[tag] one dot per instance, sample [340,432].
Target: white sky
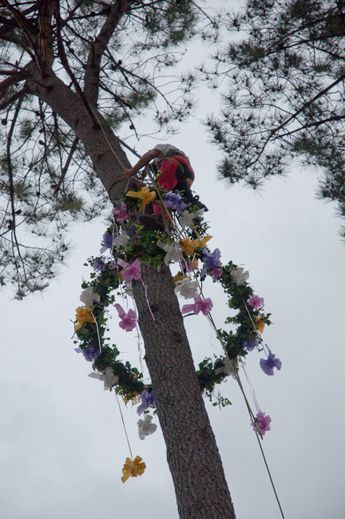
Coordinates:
[61,441]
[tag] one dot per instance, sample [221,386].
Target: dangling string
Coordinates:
[124,426]
[147,299]
[98,334]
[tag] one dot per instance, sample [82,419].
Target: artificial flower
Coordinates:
[89,297]
[186,219]
[133,468]
[121,213]
[200,305]
[256,302]
[98,265]
[267,365]
[189,246]
[229,367]
[83,314]
[107,242]
[128,319]
[216,273]
[145,196]
[179,277]
[121,240]
[145,427]
[211,261]
[259,324]
[191,265]
[261,423]
[147,400]
[90,354]
[187,288]
[239,275]
[174,201]
[130,271]
[173,251]
[251,344]
[134,398]
[107,377]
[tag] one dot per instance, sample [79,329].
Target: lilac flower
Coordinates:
[128,319]
[261,423]
[256,302]
[251,344]
[121,213]
[107,241]
[200,305]
[130,271]
[91,353]
[211,259]
[98,265]
[174,201]
[147,400]
[267,365]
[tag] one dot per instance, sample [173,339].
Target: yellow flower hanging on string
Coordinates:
[145,196]
[132,468]
[83,314]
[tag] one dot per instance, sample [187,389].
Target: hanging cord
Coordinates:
[124,426]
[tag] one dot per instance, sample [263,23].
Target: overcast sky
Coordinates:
[61,441]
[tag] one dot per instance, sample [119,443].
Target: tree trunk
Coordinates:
[193,457]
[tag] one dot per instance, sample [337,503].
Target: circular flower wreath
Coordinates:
[158,228]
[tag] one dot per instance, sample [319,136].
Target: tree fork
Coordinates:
[193,457]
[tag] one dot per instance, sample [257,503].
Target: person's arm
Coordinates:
[143,161]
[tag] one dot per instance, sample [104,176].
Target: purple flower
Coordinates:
[251,344]
[261,423]
[256,302]
[147,400]
[174,201]
[267,365]
[91,353]
[107,241]
[211,262]
[99,265]
[121,213]
[200,305]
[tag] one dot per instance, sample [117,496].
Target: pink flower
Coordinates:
[130,271]
[200,305]
[256,302]
[216,273]
[121,213]
[261,423]
[128,319]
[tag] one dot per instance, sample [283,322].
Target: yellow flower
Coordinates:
[144,194]
[132,468]
[179,277]
[134,398]
[260,324]
[83,314]
[189,246]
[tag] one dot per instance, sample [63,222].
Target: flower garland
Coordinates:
[157,228]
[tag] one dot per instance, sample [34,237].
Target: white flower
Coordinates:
[173,251]
[145,427]
[187,288]
[107,377]
[121,240]
[239,275]
[187,219]
[229,367]
[89,297]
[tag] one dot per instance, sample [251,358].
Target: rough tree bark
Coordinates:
[193,457]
